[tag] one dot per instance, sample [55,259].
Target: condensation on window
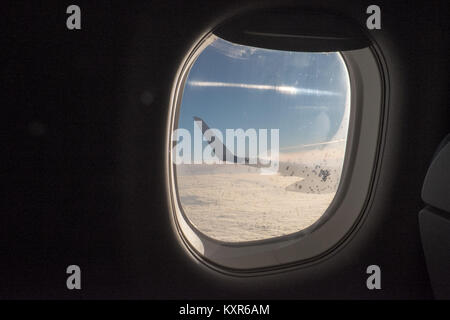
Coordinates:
[306,97]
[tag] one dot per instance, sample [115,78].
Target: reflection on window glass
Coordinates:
[279,173]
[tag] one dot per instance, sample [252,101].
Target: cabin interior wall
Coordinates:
[90,188]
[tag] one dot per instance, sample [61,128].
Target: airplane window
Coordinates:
[260,140]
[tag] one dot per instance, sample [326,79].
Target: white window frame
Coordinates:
[368,86]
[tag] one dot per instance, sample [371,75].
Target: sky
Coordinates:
[232,86]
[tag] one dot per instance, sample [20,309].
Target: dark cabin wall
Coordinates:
[84,168]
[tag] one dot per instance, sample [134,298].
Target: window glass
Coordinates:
[260,140]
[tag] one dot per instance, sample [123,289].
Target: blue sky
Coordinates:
[301,94]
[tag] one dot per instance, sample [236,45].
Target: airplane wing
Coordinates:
[315,179]
[318,178]
[224,153]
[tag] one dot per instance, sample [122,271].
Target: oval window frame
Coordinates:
[368,87]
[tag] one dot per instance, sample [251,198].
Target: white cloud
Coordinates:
[281,89]
[233,50]
[315,108]
[312,144]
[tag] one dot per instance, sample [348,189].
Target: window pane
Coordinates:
[294,103]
